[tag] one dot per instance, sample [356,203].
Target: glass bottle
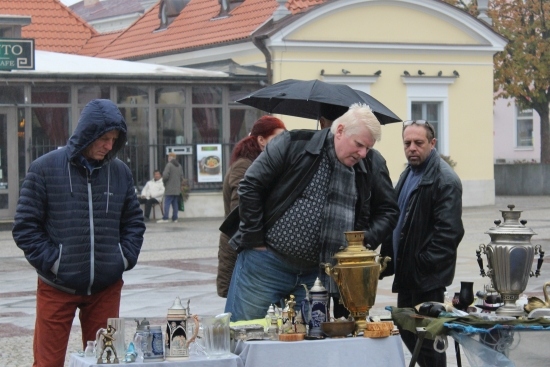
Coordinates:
[90,349]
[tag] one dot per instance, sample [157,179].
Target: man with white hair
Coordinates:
[295,203]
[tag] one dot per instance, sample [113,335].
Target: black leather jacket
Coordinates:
[432,231]
[280,174]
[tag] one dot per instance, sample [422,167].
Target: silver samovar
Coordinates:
[510,256]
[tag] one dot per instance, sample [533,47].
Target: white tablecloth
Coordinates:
[231,361]
[349,352]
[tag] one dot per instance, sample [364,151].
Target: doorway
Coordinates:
[8,162]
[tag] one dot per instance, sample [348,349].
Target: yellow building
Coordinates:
[434,62]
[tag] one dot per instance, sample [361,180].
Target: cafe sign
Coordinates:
[16,54]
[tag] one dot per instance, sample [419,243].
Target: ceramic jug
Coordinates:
[315,308]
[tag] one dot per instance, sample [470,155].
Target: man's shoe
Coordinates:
[162,221]
[145,219]
[175,221]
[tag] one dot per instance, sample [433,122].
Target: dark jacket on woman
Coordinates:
[297,155]
[82,216]
[227,256]
[432,231]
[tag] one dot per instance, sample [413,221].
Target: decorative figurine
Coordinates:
[288,330]
[289,316]
[106,345]
[131,354]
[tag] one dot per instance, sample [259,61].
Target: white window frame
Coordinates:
[428,89]
[520,118]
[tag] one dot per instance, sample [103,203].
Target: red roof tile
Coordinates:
[195,27]
[98,43]
[54,26]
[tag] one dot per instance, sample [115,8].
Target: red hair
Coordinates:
[248,147]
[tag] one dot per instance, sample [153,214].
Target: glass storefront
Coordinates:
[158,118]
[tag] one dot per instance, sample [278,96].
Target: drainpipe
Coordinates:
[258,41]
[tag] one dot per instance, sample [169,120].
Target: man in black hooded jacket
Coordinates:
[80,225]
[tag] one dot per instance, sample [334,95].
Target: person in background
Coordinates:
[295,202]
[172,176]
[152,193]
[244,153]
[429,230]
[80,225]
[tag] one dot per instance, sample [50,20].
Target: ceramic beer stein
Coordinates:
[177,340]
[315,308]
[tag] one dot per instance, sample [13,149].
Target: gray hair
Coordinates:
[359,115]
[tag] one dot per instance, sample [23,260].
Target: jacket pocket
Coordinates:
[55,267]
[125,262]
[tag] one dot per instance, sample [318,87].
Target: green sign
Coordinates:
[16,54]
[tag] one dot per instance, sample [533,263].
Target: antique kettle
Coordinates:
[510,256]
[315,308]
[356,275]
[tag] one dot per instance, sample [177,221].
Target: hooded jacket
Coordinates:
[79,223]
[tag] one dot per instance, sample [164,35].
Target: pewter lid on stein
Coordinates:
[177,309]
[512,225]
[318,286]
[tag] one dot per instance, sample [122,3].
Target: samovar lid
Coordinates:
[511,225]
[355,250]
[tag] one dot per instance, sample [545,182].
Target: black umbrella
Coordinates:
[313,98]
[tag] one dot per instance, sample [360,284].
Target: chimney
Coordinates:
[482,6]
[90,2]
[281,11]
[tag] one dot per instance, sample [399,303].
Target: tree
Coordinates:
[522,70]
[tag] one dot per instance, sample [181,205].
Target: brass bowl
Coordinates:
[338,329]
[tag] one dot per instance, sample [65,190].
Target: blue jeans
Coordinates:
[260,279]
[171,200]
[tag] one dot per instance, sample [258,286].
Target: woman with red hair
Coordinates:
[244,153]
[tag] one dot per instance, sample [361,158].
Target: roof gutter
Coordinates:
[258,41]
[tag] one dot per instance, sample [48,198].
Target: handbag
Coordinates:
[181,203]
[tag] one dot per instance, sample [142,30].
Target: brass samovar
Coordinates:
[510,256]
[356,275]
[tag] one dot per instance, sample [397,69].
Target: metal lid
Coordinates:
[177,309]
[318,286]
[512,225]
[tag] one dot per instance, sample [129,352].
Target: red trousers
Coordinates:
[55,311]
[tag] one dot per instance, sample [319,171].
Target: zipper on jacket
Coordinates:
[92,238]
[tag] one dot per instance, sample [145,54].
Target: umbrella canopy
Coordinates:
[313,98]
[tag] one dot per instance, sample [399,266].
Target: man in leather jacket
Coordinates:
[428,232]
[296,200]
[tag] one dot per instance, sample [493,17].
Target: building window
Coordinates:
[430,111]
[524,128]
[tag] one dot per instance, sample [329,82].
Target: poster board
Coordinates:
[209,162]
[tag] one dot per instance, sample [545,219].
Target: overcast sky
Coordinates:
[69,2]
